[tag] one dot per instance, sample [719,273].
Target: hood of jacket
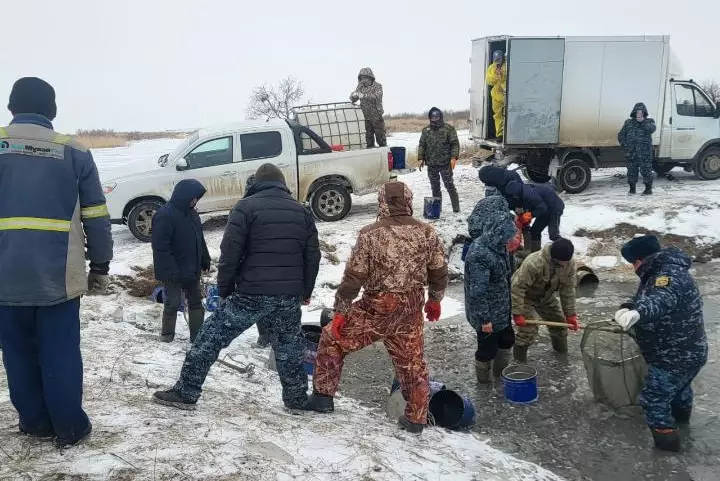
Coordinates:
[514,189]
[256,187]
[185,191]
[394,199]
[366,72]
[492,222]
[660,260]
[639,106]
[497,176]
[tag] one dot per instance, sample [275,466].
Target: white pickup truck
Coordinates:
[222,158]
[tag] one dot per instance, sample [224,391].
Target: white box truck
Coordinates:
[567,98]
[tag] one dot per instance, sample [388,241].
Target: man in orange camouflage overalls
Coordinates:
[393,260]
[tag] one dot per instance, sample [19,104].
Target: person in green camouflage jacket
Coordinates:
[370,94]
[438,150]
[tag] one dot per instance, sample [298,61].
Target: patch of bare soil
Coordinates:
[141,284]
[215,223]
[615,237]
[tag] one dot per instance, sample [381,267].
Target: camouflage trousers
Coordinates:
[280,318]
[435,172]
[375,131]
[547,311]
[664,391]
[643,166]
[395,319]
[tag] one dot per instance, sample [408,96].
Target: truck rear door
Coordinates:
[478,88]
[534,93]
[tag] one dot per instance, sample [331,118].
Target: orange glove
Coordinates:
[337,324]
[519,320]
[572,321]
[453,162]
[432,311]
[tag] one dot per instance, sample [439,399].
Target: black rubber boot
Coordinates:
[62,443]
[167,330]
[501,361]
[174,399]
[44,432]
[559,344]
[455,201]
[648,189]
[482,372]
[682,415]
[305,405]
[632,189]
[409,426]
[196,317]
[520,353]
[667,439]
[322,403]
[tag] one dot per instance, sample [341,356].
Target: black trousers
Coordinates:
[552,222]
[174,296]
[488,344]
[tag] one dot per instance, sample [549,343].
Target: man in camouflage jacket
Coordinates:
[370,94]
[393,260]
[534,286]
[666,319]
[487,284]
[438,150]
[636,138]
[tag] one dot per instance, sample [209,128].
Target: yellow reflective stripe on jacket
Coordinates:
[34,223]
[3,133]
[94,212]
[61,139]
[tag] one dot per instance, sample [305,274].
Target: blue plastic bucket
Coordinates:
[451,410]
[311,335]
[399,154]
[212,299]
[432,207]
[520,382]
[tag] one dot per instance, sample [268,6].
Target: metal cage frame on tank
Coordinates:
[348,131]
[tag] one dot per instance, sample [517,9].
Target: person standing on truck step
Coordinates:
[393,275]
[636,138]
[538,201]
[496,78]
[439,150]
[666,320]
[534,285]
[180,255]
[52,218]
[369,93]
[269,259]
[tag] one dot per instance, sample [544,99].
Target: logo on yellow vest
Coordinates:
[662,281]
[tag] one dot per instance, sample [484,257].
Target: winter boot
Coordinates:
[520,353]
[455,201]
[667,439]
[682,415]
[322,403]
[62,443]
[632,189]
[44,432]
[410,426]
[196,317]
[167,331]
[648,189]
[482,372]
[174,399]
[559,344]
[304,405]
[502,359]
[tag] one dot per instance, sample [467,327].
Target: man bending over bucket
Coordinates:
[393,260]
[666,319]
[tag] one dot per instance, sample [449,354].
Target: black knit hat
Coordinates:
[562,250]
[640,248]
[31,95]
[269,173]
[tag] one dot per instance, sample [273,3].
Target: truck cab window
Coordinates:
[690,102]
[211,153]
[260,145]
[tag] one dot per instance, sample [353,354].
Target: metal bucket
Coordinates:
[587,280]
[432,207]
[520,383]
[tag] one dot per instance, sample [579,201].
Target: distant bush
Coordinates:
[108,138]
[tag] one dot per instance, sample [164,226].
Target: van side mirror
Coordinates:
[181,164]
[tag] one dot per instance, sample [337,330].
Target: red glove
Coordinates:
[432,311]
[519,320]
[337,324]
[572,321]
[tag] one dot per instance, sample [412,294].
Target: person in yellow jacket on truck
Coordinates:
[496,78]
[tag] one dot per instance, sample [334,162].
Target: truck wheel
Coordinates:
[708,166]
[574,176]
[664,168]
[537,174]
[140,219]
[331,202]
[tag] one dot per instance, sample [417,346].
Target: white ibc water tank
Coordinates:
[337,123]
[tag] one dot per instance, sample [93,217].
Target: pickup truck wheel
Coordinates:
[708,166]
[331,202]
[574,176]
[140,219]
[664,168]
[537,173]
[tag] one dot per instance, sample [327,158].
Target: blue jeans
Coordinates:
[663,391]
[41,353]
[279,317]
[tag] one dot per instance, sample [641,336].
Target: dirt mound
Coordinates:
[616,236]
[215,223]
[142,284]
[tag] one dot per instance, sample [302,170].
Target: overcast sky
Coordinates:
[161,64]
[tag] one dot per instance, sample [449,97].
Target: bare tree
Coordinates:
[713,90]
[276,101]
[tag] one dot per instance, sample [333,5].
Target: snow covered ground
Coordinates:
[240,430]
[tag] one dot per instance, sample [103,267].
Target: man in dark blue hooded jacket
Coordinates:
[636,138]
[180,255]
[666,319]
[543,203]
